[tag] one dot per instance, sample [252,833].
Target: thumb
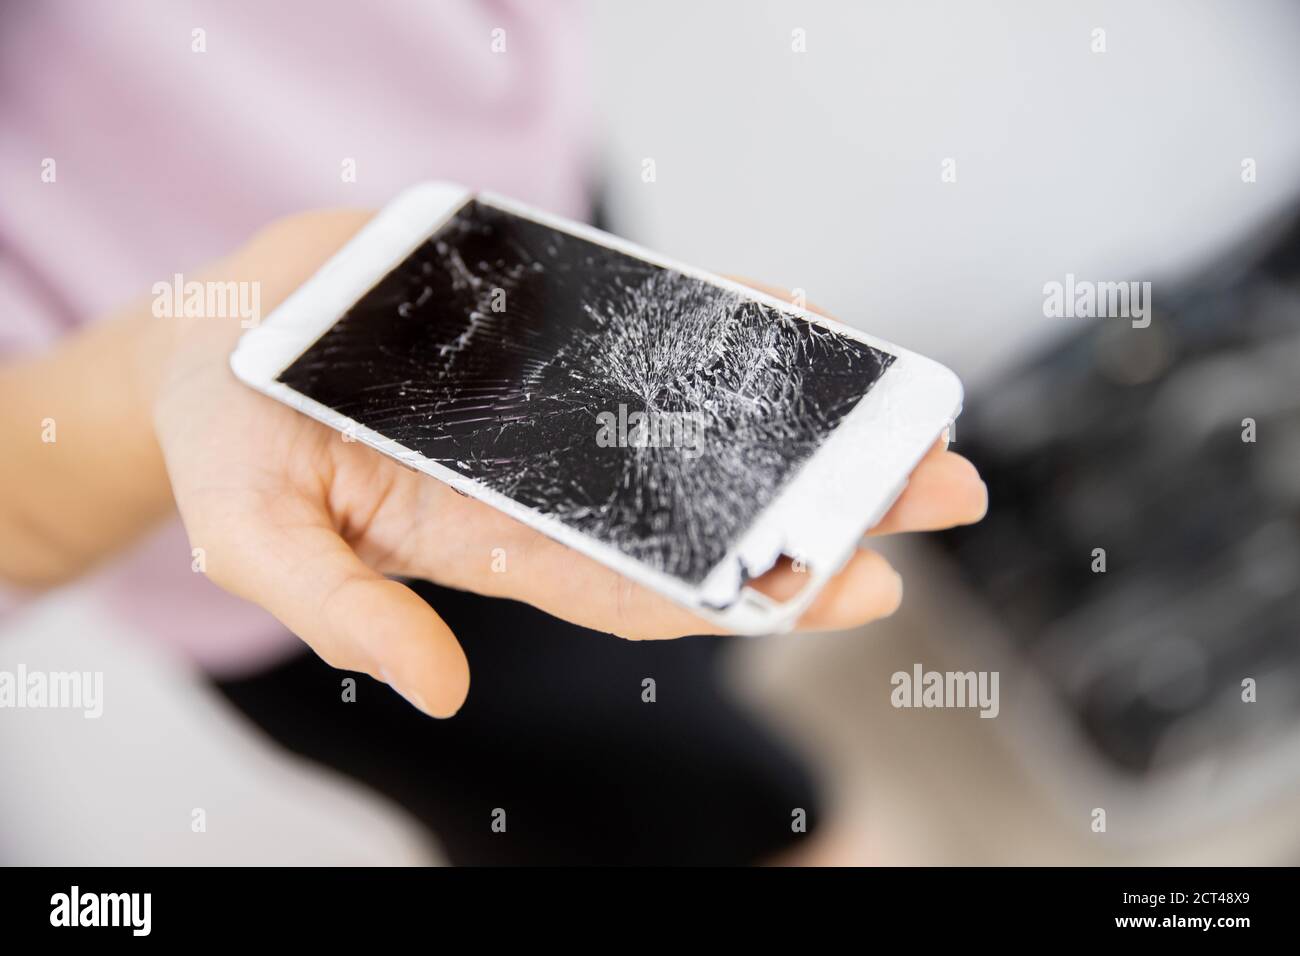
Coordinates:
[352,616]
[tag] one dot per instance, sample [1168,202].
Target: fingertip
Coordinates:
[982,504]
[867,589]
[976,492]
[416,652]
[893,598]
[443,704]
[899,590]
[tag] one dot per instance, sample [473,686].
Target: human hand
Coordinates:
[309,526]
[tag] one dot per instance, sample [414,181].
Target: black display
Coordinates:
[651,410]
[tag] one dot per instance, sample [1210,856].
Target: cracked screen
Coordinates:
[650,410]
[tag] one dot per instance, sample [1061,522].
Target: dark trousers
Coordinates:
[556,734]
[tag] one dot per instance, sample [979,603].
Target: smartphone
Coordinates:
[681,428]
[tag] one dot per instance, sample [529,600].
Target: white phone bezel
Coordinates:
[820,515]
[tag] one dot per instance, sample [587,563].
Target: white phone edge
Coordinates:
[819,517]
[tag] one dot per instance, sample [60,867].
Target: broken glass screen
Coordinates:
[653,411]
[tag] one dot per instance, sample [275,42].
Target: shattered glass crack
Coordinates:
[494,347]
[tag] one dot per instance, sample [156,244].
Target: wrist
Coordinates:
[174,342]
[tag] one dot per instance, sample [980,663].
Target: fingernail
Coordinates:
[411,697]
[898,579]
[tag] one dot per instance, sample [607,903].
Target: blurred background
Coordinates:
[823,171]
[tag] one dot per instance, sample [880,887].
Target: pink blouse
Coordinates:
[173,131]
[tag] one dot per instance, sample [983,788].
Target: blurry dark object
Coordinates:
[556,733]
[1131,440]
